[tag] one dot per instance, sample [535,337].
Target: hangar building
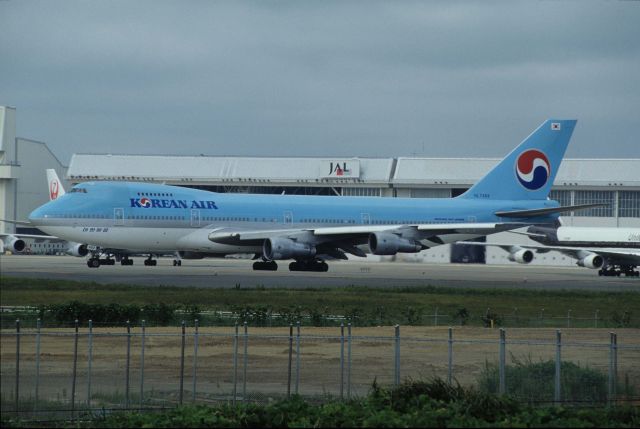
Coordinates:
[579,181]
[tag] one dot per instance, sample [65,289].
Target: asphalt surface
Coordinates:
[225,273]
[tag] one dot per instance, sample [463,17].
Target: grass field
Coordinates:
[416,305]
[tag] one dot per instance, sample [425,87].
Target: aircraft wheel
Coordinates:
[265,266]
[93,263]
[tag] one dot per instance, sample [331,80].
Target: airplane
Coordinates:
[611,251]
[155,218]
[16,242]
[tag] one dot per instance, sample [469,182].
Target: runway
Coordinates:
[225,273]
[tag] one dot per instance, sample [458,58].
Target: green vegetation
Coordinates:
[413,404]
[534,381]
[362,306]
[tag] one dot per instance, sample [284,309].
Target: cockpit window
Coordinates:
[81,190]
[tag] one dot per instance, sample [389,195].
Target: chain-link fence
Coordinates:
[62,371]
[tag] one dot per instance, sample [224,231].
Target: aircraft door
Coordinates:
[288,218]
[195,218]
[366,218]
[118,216]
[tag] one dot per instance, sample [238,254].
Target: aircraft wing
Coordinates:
[354,235]
[614,256]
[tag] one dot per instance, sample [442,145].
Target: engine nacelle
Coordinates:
[592,261]
[78,249]
[386,243]
[285,248]
[14,244]
[522,256]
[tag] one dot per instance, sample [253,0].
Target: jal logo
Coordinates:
[533,169]
[54,190]
[338,169]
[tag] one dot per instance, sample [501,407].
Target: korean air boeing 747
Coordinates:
[119,218]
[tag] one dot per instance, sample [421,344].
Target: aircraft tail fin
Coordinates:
[55,185]
[528,171]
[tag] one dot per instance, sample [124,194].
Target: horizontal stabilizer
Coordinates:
[546,211]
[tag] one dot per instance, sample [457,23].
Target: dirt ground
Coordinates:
[423,354]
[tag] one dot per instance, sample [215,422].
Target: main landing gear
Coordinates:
[265,266]
[177,262]
[95,261]
[150,262]
[316,265]
[614,270]
[125,261]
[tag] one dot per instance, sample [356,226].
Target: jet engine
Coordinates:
[77,249]
[593,261]
[14,244]
[285,248]
[386,243]
[522,256]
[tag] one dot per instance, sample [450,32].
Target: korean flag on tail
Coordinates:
[555,126]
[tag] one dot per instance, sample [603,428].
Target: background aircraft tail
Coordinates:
[528,171]
[55,185]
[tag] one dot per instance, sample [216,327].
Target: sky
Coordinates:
[321,78]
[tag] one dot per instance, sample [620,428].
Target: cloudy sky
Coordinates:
[320,78]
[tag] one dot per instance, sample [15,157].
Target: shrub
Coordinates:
[535,381]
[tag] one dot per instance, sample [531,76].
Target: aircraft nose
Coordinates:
[38,214]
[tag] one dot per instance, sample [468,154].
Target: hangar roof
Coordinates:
[208,169]
[466,171]
[407,172]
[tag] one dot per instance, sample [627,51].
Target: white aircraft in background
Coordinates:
[612,251]
[16,242]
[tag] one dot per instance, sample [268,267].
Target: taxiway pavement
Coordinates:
[225,273]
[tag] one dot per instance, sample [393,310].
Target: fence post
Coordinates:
[450,343]
[349,360]
[245,362]
[503,341]
[289,363]
[89,362]
[127,367]
[182,362]
[235,364]
[569,318]
[615,366]
[541,316]
[610,389]
[297,356]
[195,359]
[142,364]
[341,360]
[556,395]
[396,378]
[75,368]
[17,364]
[38,327]
[596,318]
[435,318]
